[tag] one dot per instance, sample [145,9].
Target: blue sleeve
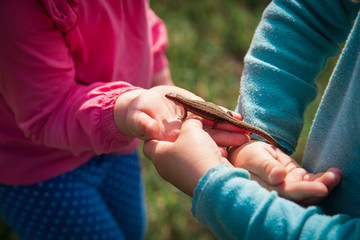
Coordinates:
[289,50]
[234,207]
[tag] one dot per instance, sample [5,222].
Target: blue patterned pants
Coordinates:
[103,199]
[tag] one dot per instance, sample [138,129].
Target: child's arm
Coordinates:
[48,99]
[235,208]
[290,48]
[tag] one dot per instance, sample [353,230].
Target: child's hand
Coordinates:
[194,152]
[147,114]
[275,170]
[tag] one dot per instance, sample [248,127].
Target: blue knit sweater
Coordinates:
[289,50]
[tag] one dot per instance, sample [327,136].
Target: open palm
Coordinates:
[275,170]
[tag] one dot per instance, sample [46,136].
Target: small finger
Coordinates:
[149,148]
[232,113]
[223,126]
[223,152]
[331,178]
[154,149]
[306,193]
[227,138]
[143,126]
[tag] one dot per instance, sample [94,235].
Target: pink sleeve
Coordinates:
[37,84]
[160,41]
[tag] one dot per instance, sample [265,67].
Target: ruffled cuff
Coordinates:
[107,121]
[64,13]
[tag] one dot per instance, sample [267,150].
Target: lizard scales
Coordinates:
[214,113]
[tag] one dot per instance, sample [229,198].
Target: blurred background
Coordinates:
[207,43]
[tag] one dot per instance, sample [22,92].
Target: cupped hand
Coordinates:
[275,170]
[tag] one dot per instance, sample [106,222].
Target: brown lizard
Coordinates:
[214,113]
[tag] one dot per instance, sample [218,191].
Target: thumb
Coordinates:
[157,151]
[154,149]
[143,126]
[149,148]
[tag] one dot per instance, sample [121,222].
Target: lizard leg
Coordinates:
[183,117]
[215,124]
[230,113]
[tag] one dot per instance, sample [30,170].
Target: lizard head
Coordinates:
[173,97]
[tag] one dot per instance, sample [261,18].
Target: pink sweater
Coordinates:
[63,63]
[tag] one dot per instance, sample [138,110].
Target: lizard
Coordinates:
[214,113]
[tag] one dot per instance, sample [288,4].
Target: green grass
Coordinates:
[207,43]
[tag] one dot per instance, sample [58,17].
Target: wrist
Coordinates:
[162,78]
[121,106]
[203,169]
